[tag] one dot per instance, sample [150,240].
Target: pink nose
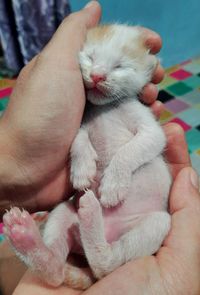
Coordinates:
[96,78]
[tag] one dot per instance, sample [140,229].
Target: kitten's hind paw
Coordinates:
[21,230]
[89,208]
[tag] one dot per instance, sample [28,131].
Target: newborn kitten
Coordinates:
[116,159]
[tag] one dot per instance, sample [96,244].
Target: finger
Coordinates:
[176,150]
[157,108]
[182,243]
[158,74]
[149,94]
[152,40]
[30,284]
[69,37]
[185,191]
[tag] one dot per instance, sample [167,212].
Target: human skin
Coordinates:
[42,173]
[44,114]
[175,268]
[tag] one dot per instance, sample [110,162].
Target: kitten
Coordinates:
[116,159]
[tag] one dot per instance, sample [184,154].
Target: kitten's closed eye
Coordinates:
[90,57]
[117,66]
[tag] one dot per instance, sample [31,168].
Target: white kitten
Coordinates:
[116,158]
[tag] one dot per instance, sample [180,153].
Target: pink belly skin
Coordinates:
[148,193]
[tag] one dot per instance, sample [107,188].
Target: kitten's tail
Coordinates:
[78,278]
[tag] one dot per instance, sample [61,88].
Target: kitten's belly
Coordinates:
[150,185]
[148,192]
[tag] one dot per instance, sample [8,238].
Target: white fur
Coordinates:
[116,157]
[125,76]
[128,142]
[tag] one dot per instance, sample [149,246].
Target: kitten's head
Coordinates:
[115,63]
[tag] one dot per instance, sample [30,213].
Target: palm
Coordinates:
[167,271]
[46,143]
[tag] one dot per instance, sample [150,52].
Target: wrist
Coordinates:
[12,176]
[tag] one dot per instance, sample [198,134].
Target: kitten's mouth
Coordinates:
[97,89]
[98,94]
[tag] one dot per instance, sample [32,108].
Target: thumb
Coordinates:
[184,236]
[185,190]
[71,34]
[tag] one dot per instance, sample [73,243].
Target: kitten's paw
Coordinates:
[83,173]
[89,208]
[112,190]
[21,230]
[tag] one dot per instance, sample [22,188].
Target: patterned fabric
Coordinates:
[179,91]
[26,26]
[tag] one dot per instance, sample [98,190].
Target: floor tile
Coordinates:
[165,116]
[192,97]
[172,69]
[167,81]
[186,62]
[190,116]
[5,92]
[193,139]
[192,67]
[176,105]
[164,96]
[3,103]
[193,81]
[179,89]
[195,159]
[180,74]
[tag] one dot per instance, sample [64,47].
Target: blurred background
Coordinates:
[27,25]
[177,21]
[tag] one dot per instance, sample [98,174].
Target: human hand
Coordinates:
[175,268]
[44,114]
[178,261]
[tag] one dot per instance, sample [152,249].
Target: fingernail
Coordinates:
[90,4]
[194,179]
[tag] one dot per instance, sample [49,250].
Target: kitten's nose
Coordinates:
[96,78]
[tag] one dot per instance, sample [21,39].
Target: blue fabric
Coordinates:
[177,21]
[26,26]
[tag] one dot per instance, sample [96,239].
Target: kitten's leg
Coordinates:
[55,235]
[144,239]
[146,145]
[46,259]
[83,161]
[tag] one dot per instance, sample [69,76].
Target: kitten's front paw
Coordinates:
[113,190]
[83,173]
